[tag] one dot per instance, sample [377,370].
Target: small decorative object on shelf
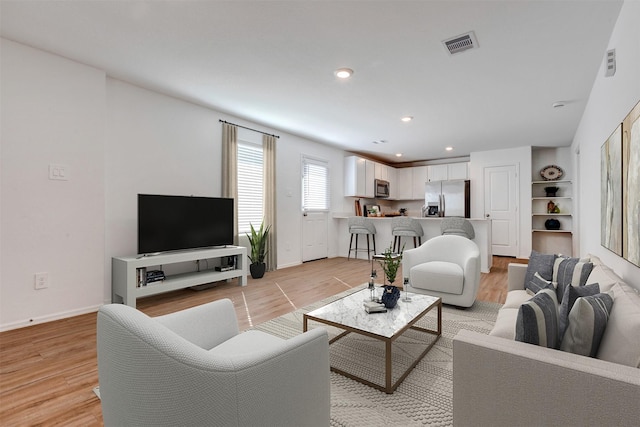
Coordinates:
[551,173]
[550,206]
[552,224]
[551,191]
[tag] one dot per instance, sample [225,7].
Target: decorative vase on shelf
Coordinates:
[551,191]
[552,224]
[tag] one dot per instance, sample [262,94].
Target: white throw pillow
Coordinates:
[621,340]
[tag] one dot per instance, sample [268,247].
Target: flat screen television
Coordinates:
[171,223]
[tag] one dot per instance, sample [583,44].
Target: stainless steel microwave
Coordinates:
[381,188]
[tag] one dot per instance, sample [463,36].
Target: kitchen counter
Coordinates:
[431,228]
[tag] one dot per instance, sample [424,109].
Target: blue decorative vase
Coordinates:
[390,296]
[552,224]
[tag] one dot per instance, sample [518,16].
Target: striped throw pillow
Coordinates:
[537,283]
[537,321]
[587,321]
[570,271]
[571,294]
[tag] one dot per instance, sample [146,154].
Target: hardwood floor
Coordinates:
[48,371]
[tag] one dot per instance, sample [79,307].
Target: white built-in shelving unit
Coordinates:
[543,239]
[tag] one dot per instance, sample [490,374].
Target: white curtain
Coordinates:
[230,170]
[269,156]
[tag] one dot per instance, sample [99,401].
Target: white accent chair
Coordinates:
[445,266]
[194,368]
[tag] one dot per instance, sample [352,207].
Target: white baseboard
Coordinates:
[49,318]
[291,264]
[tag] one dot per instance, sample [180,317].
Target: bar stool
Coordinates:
[361,225]
[403,226]
[458,226]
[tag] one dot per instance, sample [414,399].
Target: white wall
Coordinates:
[610,100]
[155,145]
[521,157]
[52,112]
[161,145]
[118,140]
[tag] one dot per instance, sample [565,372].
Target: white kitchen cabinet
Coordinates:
[392,177]
[358,177]
[437,173]
[458,171]
[404,184]
[420,177]
[383,171]
[449,171]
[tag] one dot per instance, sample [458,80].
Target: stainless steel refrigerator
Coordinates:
[447,198]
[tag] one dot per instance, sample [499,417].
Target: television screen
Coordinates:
[169,223]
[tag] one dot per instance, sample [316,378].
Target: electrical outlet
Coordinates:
[41,281]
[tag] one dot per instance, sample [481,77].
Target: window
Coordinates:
[315,185]
[250,187]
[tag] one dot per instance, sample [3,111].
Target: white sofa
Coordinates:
[194,368]
[498,381]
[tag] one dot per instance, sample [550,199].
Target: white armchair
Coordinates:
[445,266]
[194,368]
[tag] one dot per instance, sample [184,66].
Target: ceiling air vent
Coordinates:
[461,43]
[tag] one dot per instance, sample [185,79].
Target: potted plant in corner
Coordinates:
[390,264]
[258,250]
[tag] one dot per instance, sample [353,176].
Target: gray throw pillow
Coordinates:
[537,321]
[570,271]
[571,294]
[541,264]
[587,321]
[537,284]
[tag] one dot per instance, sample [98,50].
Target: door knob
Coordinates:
[487,215]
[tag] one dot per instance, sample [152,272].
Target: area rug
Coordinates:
[425,397]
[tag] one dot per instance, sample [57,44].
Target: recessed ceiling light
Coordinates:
[398,154]
[449,148]
[344,73]
[380,141]
[558,104]
[407,118]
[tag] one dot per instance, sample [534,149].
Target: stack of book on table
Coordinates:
[374,307]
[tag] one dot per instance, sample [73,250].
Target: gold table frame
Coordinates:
[389,387]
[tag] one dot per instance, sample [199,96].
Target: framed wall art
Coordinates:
[611,192]
[631,186]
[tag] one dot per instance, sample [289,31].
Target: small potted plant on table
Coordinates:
[390,263]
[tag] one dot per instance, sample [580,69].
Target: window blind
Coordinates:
[315,185]
[250,186]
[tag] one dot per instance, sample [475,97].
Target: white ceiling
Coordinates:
[272,63]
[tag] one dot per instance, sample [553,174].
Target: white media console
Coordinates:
[126,287]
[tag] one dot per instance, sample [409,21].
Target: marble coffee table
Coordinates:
[348,313]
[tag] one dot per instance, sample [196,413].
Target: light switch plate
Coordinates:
[58,172]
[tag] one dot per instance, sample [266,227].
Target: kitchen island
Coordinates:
[431,227]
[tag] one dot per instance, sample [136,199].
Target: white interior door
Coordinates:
[501,206]
[315,228]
